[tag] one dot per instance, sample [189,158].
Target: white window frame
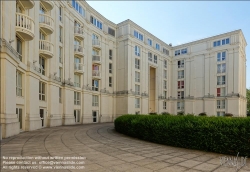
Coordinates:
[221,104]
[150,56]
[164,84]
[180,74]
[138,35]
[149,42]
[60,95]
[164,105]
[42,91]
[165,64]
[221,56]
[137,76]
[157,46]
[182,84]
[165,74]
[220,80]
[95,87]
[77,98]
[221,68]
[137,63]
[110,81]
[137,51]
[137,89]
[180,105]
[181,65]
[19,83]
[155,59]
[137,102]
[95,100]
[180,94]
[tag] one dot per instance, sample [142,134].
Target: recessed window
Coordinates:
[110,81]
[137,89]
[165,64]
[220,113]
[180,105]
[19,48]
[165,74]
[110,67]
[138,35]
[137,50]
[182,51]
[164,105]
[60,13]
[221,68]
[111,31]
[95,101]
[164,84]
[137,76]
[77,82]
[60,34]
[60,55]
[60,95]
[180,94]
[78,7]
[96,22]
[221,56]
[221,80]
[77,98]
[42,65]
[180,63]
[137,63]
[180,84]
[155,59]
[41,91]
[221,91]
[220,104]
[221,42]
[180,74]
[157,46]
[149,42]
[137,102]
[110,54]
[165,51]
[150,56]
[19,83]
[60,73]
[165,94]
[95,85]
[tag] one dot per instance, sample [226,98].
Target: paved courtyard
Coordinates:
[108,151]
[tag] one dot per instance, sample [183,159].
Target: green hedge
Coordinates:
[213,134]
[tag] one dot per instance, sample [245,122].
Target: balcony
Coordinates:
[78,68]
[78,50]
[79,32]
[96,44]
[46,23]
[27,4]
[96,59]
[96,74]
[46,48]
[25,26]
[48,4]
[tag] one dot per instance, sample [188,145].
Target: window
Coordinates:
[60,34]
[77,81]
[220,104]
[138,35]
[165,84]
[96,22]
[149,42]
[95,101]
[137,89]
[41,91]
[76,98]
[42,65]
[110,67]
[221,92]
[221,56]
[137,63]
[165,94]
[111,31]
[179,52]
[60,95]
[137,50]
[77,115]
[221,80]
[221,68]
[180,84]
[137,76]
[110,54]
[180,105]
[155,59]
[180,94]
[165,74]
[164,105]
[165,51]
[60,55]
[78,7]
[95,85]
[137,102]
[180,74]
[165,64]
[110,81]
[180,63]
[95,52]
[60,73]
[150,56]
[157,46]
[220,113]
[60,13]
[221,42]
[19,83]
[19,48]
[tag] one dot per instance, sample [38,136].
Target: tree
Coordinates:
[248,101]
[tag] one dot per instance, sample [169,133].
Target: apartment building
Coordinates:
[63,63]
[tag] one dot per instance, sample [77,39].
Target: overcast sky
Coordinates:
[180,22]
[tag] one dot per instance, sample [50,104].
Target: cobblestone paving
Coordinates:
[108,151]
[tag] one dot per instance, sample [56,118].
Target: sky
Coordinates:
[179,22]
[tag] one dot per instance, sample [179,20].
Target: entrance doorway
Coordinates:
[19,112]
[42,116]
[77,116]
[95,115]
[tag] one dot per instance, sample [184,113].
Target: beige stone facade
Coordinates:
[63,63]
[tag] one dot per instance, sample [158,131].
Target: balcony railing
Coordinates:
[46,47]
[96,58]
[47,21]
[25,25]
[76,84]
[78,30]
[78,49]
[79,66]
[96,73]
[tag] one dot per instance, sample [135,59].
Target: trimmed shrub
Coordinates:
[165,113]
[213,134]
[228,115]
[153,113]
[203,114]
[181,113]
